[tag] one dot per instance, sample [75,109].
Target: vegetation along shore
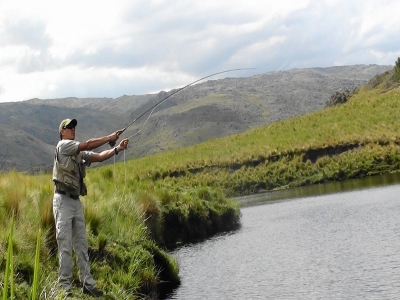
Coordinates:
[143,207]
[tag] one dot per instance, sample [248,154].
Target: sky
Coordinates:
[90,48]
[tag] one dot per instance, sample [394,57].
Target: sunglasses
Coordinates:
[69,127]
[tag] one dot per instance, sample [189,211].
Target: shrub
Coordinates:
[338,98]
[397,70]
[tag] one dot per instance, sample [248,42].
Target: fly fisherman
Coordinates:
[71,158]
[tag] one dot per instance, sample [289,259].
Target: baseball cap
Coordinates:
[66,122]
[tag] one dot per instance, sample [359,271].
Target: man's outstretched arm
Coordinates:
[106,154]
[97,142]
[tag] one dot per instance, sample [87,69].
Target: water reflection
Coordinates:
[321,189]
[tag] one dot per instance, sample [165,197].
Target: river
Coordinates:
[331,241]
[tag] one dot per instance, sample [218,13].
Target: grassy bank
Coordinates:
[129,223]
[136,209]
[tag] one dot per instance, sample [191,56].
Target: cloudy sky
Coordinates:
[92,48]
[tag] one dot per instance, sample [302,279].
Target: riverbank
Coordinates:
[332,187]
[128,230]
[356,139]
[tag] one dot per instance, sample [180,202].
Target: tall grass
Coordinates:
[9,269]
[123,264]
[35,284]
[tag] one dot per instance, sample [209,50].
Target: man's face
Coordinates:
[68,132]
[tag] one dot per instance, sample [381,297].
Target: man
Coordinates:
[71,158]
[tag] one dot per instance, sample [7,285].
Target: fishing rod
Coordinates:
[112,144]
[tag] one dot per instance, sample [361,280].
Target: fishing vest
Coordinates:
[71,173]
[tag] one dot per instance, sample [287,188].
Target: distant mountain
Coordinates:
[29,129]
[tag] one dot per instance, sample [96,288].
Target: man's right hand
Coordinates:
[115,136]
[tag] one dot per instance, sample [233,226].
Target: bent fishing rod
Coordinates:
[112,144]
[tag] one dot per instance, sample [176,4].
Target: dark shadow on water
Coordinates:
[170,292]
[321,189]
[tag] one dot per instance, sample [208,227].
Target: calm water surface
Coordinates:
[330,245]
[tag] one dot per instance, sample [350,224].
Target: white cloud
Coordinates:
[108,49]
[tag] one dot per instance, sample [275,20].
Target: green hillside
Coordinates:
[356,139]
[138,208]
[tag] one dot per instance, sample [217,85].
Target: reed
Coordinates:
[35,284]
[9,269]
[12,198]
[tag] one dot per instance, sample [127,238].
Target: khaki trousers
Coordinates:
[71,235]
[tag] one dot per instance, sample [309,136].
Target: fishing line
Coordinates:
[112,144]
[125,166]
[151,109]
[136,133]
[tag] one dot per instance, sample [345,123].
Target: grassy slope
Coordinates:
[356,139]
[180,195]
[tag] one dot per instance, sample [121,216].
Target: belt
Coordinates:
[75,197]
